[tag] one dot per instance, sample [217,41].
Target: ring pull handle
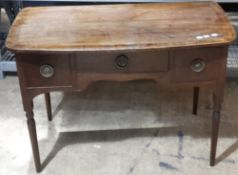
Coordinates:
[122,61]
[46,71]
[198,65]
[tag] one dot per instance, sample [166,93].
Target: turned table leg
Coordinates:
[215,128]
[33,136]
[195,99]
[48,106]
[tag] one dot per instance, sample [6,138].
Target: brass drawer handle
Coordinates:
[121,61]
[46,71]
[198,65]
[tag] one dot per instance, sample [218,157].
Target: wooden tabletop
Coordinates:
[119,27]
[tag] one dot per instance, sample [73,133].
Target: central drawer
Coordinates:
[119,62]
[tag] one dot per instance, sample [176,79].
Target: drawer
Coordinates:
[45,70]
[119,62]
[203,64]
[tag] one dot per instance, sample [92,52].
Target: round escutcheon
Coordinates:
[198,65]
[46,71]
[121,61]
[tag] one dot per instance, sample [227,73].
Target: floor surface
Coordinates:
[132,128]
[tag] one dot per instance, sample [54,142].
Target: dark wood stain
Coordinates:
[85,44]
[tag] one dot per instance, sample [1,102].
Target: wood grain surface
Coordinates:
[120,27]
[84,44]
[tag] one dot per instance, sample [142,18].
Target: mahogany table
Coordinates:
[67,48]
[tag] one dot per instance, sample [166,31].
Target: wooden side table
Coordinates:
[67,48]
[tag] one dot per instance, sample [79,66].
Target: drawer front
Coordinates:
[203,64]
[119,62]
[46,70]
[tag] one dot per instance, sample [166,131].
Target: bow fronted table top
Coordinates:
[120,27]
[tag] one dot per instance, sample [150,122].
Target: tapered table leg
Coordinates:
[33,136]
[48,106]
[215,130]
[195,99]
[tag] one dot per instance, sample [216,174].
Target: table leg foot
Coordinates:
[214,138]
[33,137]
[48,106]
[195,99]
[215,130]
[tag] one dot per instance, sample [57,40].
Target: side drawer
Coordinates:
[119,62]
[200,64]
[45,70]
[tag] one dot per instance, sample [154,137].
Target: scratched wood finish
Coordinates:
[119,27]
[159,42]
